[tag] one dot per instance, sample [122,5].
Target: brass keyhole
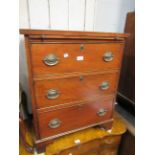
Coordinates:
[81,78]
[81,47]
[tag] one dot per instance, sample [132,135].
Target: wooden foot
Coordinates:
[40,148]
[107,126]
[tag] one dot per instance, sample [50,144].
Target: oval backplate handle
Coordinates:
[52,94]
[104,85]
[108,56]
[51,60]
[54,123]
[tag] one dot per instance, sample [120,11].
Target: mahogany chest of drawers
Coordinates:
[73,80]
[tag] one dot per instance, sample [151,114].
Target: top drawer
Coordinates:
[69,58]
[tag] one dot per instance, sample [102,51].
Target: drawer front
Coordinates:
[67,58]
[67,119]
[66,90]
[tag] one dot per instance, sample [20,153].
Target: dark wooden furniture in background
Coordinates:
[22,122]
[127,145]
[126,90]
[91,141]
[100,142]
[73,80]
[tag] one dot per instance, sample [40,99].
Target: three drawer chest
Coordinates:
[73,79]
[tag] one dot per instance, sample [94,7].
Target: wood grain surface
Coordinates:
[73,89]
[75,117]
[72,59]
[78,75]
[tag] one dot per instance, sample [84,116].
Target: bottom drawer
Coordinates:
[78,116]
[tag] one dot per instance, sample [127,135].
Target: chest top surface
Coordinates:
[72,34]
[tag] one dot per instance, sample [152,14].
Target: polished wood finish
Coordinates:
[92,57]
[94,141]
[96,147]
[71,34]
[126,91]
[42,143]
[81,69]
[87,87]
[74,117]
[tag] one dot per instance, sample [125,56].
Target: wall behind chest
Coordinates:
[83,15]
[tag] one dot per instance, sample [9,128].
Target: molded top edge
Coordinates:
[72,34]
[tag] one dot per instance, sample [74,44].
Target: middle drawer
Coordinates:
[58,91]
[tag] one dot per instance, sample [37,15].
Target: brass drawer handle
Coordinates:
[51,60]
[102,112]
[108,56]
[104,85]
[54,123]
[52,94]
